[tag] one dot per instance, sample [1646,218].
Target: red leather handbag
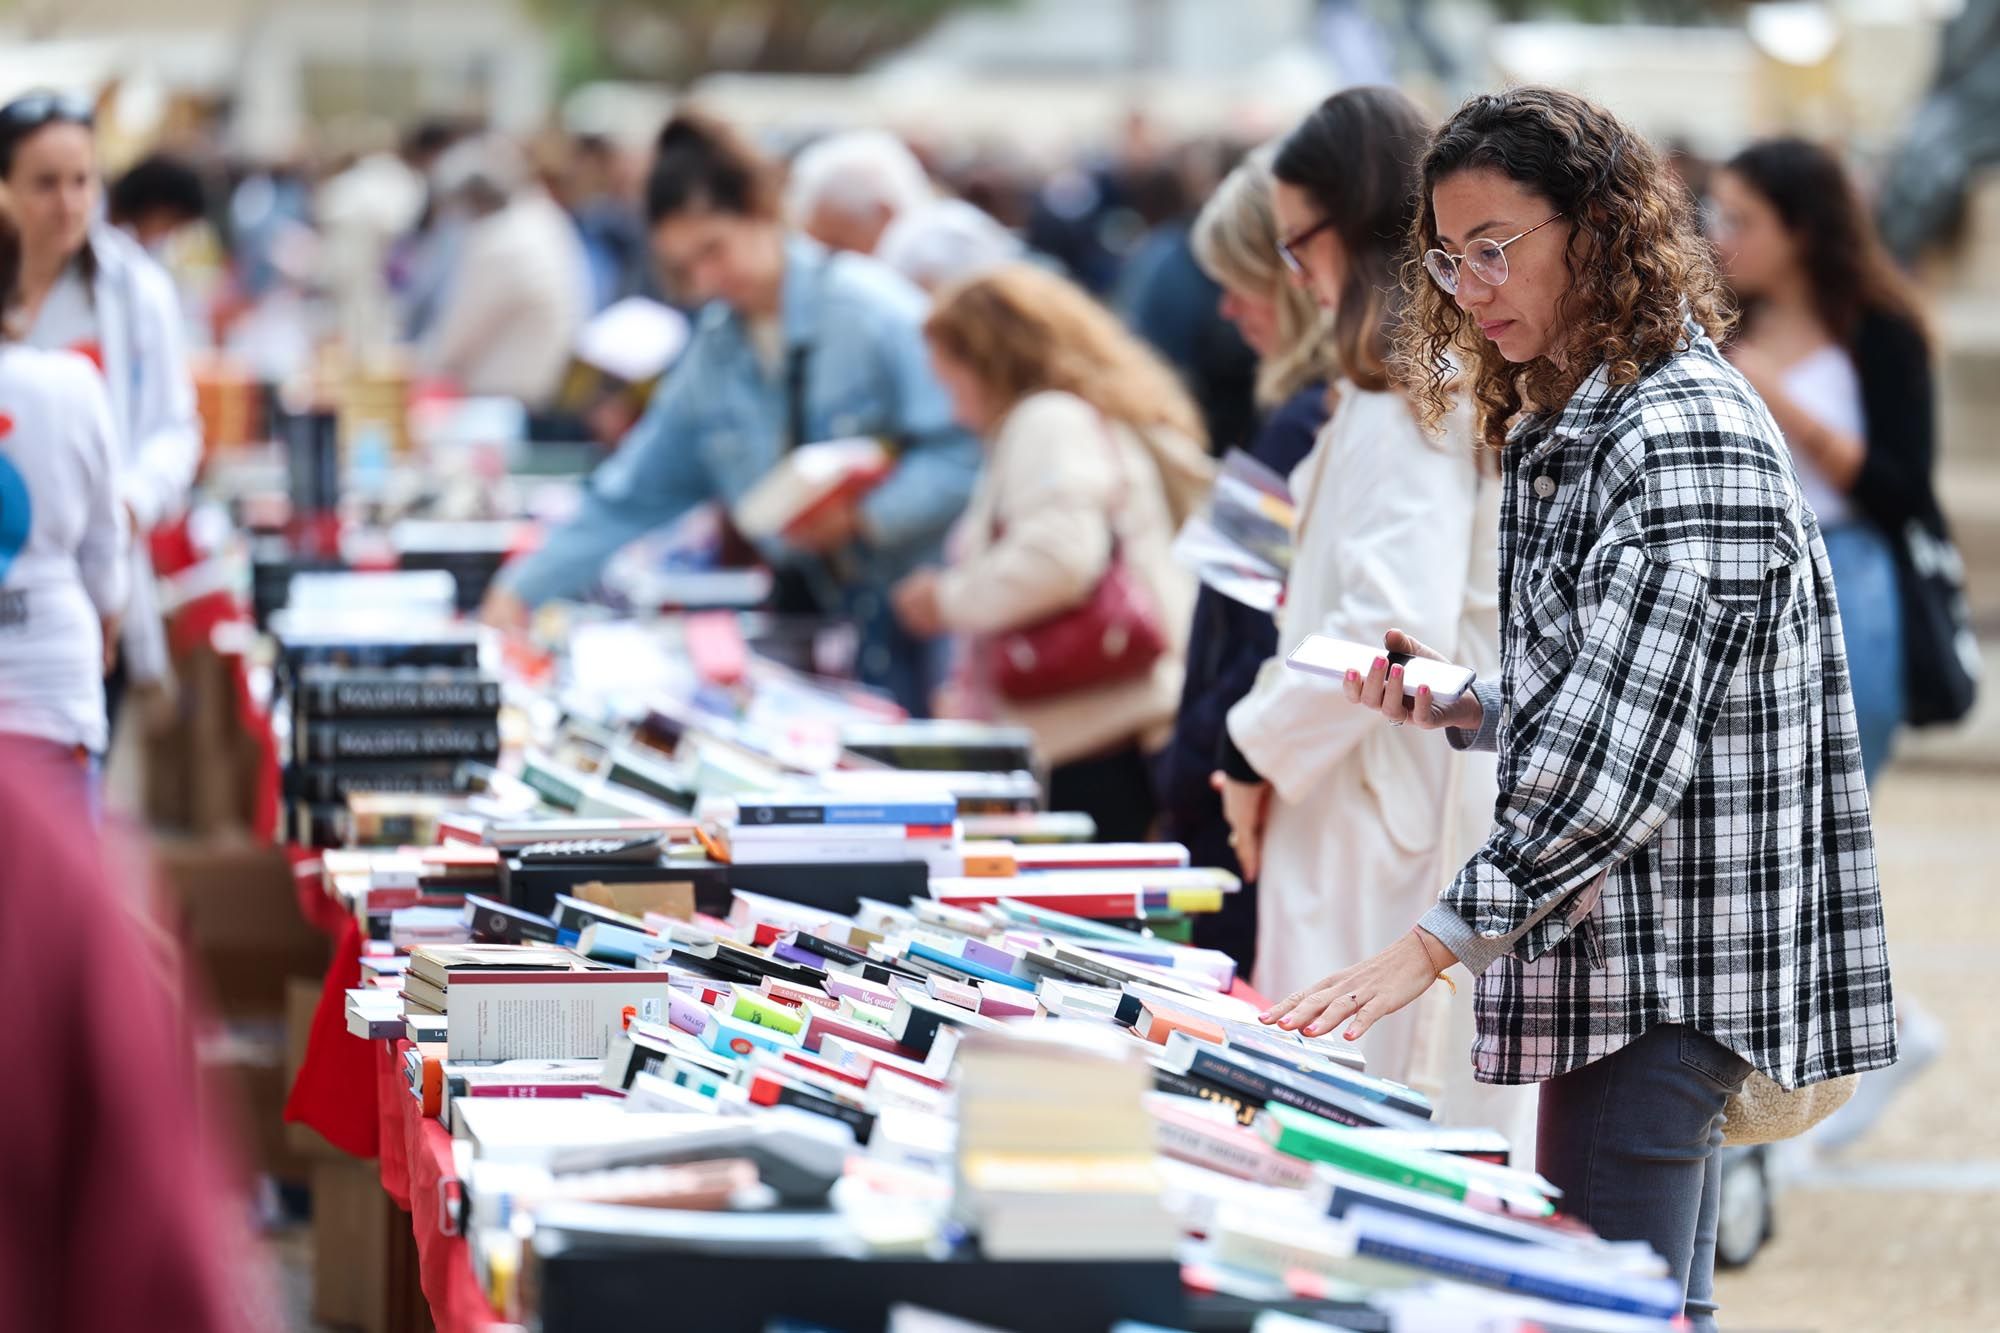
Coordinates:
[1112,636]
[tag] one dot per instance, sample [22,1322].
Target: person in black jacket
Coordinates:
[1235,239]
[1831,339]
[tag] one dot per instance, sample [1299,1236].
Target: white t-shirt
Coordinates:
[1827,388]
[62,545]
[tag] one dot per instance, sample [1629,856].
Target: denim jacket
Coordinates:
[717,425]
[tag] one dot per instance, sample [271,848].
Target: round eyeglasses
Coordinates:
[1487,260]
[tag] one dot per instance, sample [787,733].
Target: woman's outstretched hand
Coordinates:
[1367,992]
[1382,690]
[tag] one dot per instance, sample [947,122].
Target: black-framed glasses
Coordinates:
[1288,246]
[1487,260]
[31,111]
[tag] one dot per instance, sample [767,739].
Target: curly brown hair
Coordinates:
[1638,266]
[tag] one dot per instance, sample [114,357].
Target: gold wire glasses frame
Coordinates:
[1487,260]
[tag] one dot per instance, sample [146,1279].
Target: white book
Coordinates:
[501,1015]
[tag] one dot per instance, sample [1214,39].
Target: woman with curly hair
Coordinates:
[1680,883]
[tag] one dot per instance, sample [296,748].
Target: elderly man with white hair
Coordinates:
[520,289]
[847,188]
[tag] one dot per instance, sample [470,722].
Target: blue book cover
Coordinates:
[1529,1270]
[608,943]
[844,810]
[931,954]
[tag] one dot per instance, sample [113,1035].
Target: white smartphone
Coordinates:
[1323,656]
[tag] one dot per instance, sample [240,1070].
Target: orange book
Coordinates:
[990,860]
[430,1093]
[1157,1023]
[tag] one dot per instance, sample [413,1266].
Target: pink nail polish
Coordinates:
[1380,662]
[1350,1034]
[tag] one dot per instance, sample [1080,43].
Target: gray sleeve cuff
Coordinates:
[1488,735]
[1474,950]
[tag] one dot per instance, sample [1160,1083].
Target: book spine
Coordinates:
[763,813]
[864,835]
[1222,1149]
[1207,1064]
[336,740]
[493,926]
[1481,1272]
[330,699]
[335,782]
[770,1092]
[1167,1080]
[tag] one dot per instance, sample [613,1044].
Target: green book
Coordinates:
[1316,1139]
[765,1014]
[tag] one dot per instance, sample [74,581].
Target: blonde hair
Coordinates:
[1235,241]
[1024,330]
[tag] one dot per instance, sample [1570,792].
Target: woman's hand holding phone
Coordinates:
[1381,688]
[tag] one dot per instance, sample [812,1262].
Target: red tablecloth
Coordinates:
[418,1173]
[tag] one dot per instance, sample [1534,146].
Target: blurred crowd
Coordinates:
[1056,361]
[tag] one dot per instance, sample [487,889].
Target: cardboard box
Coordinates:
[233,903]
[351,1233]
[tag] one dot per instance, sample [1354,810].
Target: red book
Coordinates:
[809,481]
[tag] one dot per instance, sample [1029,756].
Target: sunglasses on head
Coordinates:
[31,111]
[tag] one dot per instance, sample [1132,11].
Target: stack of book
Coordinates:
[1055,1154]
[426,986]
[385,732]
[825,828]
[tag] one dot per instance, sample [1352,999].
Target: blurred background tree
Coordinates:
[676,40]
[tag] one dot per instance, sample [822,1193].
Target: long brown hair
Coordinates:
[1849,269]
[1638,268]
[1023,329]
[1356,156]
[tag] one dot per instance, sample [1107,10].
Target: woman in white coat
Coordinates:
[87,287]
[1396,528]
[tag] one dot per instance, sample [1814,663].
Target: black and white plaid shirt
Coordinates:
[1682,833]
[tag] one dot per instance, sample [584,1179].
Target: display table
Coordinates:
[354,1093]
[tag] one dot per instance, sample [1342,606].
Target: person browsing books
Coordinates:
[63,575]
[1235,239]
[1349,827]
[1679,884]
[86,286]
[1832,340]
[1094,457]
[792,346]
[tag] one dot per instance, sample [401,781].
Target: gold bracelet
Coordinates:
[1444,973]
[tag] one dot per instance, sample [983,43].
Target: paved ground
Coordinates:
[1903,1231]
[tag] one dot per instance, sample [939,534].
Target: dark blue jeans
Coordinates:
[1634,1142]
